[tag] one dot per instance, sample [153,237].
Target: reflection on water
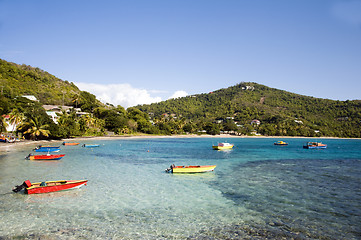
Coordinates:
[257,191]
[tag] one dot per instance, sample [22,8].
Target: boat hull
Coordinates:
[47,157]
[193,169]
[70,144]
[47,150]
[55,186]
[222,148]
[315,145]
[91,146]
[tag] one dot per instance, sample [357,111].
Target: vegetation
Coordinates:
[280,113]
[244,109]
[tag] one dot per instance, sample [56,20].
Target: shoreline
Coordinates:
[6,147]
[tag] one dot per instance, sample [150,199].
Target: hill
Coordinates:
[279,112]
[17,80]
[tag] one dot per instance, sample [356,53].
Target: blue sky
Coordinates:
[141,51]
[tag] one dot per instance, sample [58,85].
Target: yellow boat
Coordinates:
[190,169]
[282,143]
[223,146]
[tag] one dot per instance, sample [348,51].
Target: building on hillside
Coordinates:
[248,88]
[31,97]
[256,122]
[55,111]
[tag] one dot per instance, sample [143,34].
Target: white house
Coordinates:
[31,97]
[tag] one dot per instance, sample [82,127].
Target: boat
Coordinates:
[223,146]
[281,143]
[7,140]
[70,144]
[47,149]
[49,186]
[45,157]
[41,146]
[314,145]
[190,169]
[90,145]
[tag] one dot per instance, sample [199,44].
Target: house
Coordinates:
[256,122]
[53,115]
[31,97]
[248,88]
[54,111]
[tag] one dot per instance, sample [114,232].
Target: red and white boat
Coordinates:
[45,157]
[49,186]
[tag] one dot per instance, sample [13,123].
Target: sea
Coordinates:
[257,191]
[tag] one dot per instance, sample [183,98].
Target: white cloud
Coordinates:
[179,94]
[119,94]
[124,94]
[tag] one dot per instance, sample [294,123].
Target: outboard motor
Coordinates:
[28,157]
[25,184]
[170,169]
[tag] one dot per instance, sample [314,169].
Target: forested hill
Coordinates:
[17,80]
[279,112]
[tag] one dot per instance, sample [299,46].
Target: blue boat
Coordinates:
[46,149]
[90,145]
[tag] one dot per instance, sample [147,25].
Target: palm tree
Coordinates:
[3,124]
[89,121]
[16,117]
[35,128]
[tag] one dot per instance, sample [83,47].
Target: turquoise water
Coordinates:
[257,191]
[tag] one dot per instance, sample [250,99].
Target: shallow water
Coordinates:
[257,191]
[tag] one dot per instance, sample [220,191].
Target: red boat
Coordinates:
[45,157]
[49,186]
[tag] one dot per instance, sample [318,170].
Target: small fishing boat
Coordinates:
[223,146]
[47,149]
[281,143]
[49,186]
[90,145]
[45,157]
[41,148]
[70,143]
[314,145]
[190,169]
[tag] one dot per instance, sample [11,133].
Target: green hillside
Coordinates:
[280,112]
[231,110]
[33,121]
[17,80]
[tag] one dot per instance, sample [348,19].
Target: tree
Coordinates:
[16,117]
[3,124]
[35,128]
